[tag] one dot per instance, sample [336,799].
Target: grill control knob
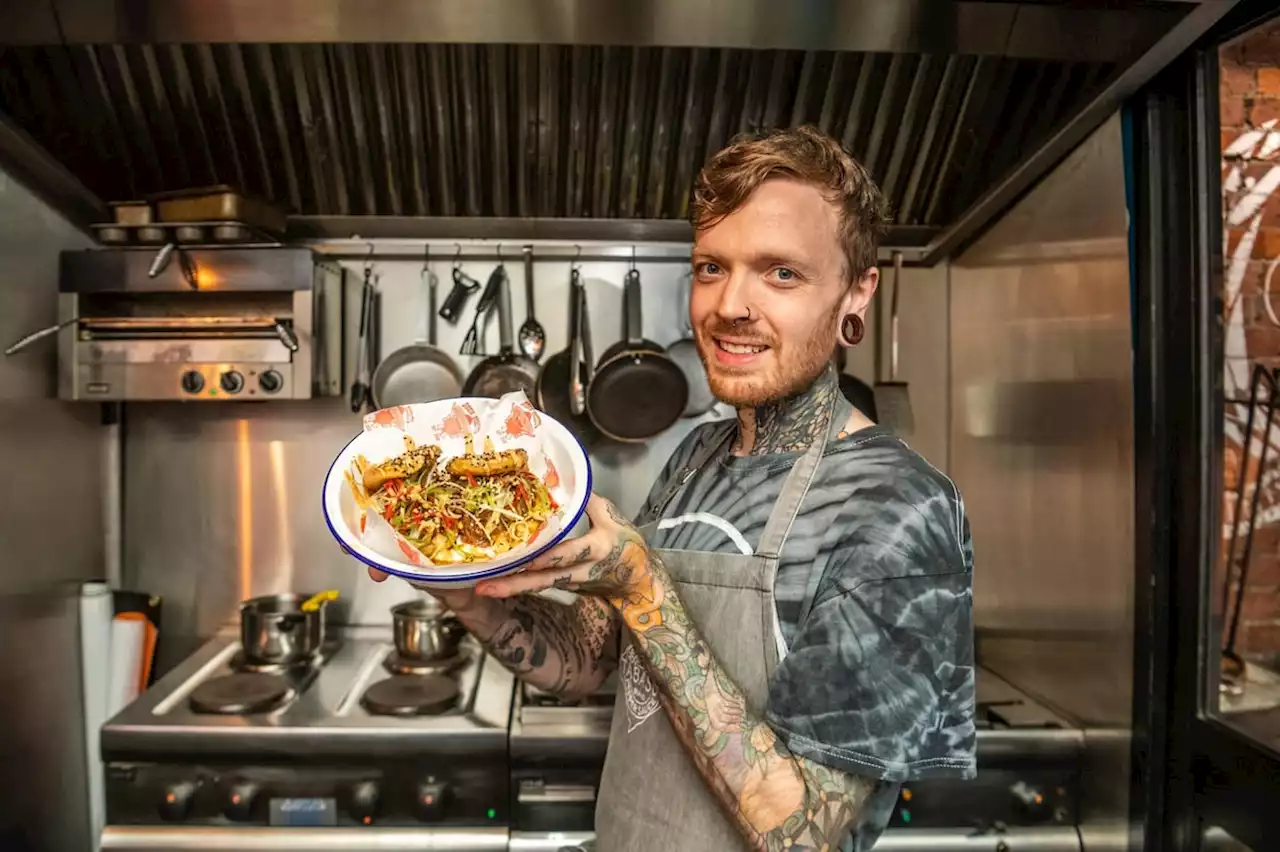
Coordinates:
[241,797]
[231,382]
[177,801]
[192,382]
[430,800]
[365,797]
[270,381]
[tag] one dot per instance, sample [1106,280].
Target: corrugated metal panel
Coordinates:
[519,130]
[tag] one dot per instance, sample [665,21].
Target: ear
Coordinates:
[858,296]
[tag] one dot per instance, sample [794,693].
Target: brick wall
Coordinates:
[1250,118]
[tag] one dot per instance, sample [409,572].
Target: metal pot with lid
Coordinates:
[283,629]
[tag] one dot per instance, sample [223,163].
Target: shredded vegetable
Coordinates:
[455,518]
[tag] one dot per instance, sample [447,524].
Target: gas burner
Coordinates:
[411,695]
[241,693]
[399,664]
[242,663]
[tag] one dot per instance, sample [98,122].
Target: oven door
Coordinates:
[147,838]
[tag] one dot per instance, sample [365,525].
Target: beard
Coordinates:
[785,369]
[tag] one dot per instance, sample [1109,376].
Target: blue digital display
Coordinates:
[304,812]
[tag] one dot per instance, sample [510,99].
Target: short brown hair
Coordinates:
[806,154]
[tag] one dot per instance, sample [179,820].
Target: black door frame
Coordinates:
[1191,771]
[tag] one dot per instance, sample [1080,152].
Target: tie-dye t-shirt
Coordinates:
[879,679]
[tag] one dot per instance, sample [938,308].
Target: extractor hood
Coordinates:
[404,118]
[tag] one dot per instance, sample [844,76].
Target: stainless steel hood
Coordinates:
[383,117]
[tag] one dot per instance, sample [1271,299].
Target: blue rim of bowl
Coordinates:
[466,578]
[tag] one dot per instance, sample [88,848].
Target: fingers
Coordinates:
[600,510]
[570,552]
[375,575]
[530,581]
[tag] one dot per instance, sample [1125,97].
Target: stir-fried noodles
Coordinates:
[470,509]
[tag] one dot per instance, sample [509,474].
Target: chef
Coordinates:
[791,613]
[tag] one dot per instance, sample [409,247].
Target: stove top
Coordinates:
[356,700]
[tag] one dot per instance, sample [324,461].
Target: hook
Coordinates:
[577,257]
[426,257]
[457,255]
[633,258]
[500,262]
[368,258]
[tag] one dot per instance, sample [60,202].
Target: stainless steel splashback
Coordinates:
[222,503]
[1042,448]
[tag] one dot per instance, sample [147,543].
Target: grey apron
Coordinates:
[651,796]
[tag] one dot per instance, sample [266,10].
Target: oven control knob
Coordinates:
[430,800]
[192,381]
[270,381]
[1029,801]
[363,806]
[231,382]
[241,797]
[177,801]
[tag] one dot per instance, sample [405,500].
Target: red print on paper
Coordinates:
[522,421]
[462,421]
[411,553]
[394,417]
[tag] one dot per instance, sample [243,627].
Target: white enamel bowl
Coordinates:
[343,515]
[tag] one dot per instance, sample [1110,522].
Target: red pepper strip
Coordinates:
[471,480]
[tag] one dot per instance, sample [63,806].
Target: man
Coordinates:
[791,615]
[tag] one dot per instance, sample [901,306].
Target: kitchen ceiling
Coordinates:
[530,118]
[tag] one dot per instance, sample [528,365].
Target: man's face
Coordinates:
[779,258]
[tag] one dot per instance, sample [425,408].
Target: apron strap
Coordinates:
[793,493]
[706,453]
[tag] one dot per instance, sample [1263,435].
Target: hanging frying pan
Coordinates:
[564,378]
[855,390]
[637,391]
[507,371]
[685,353]
[420,372]
[893,401]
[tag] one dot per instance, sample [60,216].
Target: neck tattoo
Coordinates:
[789,425]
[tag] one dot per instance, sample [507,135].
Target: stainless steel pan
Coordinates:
[420,372]
[425,632]
[507,371]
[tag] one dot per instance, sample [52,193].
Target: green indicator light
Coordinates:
[491,813]
[906,816]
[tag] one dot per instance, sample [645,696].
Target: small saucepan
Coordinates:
[637,391]
[425,632]
[283,629]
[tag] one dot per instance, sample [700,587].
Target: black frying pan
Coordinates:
[562,390]
[637,391]
[507,371]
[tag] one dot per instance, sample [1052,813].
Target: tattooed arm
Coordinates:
[778,800]
[565,650]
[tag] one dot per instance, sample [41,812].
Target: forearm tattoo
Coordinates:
[779,800]
[565,650]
